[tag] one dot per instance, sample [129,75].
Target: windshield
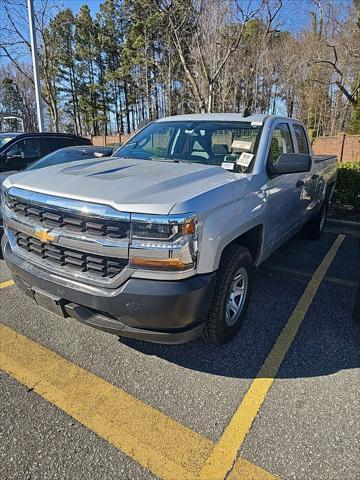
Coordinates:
[231,145]
[5,138]
[63,156]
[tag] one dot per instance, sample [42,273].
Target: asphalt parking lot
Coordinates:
[280,401]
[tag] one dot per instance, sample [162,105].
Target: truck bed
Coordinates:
[323,158]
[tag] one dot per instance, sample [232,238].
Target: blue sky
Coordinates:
[76,4]
[294,15]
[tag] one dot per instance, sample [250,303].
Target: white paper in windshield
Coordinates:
[227,165]
[245,159]
[241,144]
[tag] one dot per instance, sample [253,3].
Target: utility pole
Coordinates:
[35,64]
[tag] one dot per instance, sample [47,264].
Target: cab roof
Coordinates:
[220,117]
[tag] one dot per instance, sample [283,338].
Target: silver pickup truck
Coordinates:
[160,242]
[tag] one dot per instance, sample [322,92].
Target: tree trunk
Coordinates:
[127,112]
[210,98]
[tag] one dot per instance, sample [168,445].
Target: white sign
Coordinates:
[227,165]
[245,159]
[256,124]
[241,144]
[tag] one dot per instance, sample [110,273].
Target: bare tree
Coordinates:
[181,56]
[17,94]
[206,34]
[15,45]
[337,50]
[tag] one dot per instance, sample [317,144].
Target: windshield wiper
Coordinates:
[164,159]
[152,159]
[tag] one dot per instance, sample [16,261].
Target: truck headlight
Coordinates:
[2,192]
[2,197]
[163,243]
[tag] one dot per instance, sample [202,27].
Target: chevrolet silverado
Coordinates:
[160,242]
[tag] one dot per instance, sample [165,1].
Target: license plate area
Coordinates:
[50,302]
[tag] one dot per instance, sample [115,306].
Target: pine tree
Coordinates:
[87,54]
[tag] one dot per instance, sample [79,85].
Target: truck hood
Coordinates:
[4,175]
[129,185]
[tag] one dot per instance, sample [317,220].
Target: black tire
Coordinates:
[315,227]
[217,330]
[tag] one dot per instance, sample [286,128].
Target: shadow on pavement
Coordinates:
[328,340]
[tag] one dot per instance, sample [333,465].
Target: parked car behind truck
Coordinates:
[63,155]
[161,243]
[18,150]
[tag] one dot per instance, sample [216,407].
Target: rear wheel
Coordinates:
[315,227]
[231,296]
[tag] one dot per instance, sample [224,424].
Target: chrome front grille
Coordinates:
[52,217]
[69,236]
[73,259]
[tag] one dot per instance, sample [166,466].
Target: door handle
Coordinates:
[300,183]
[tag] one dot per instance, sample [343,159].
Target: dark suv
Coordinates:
[18,150]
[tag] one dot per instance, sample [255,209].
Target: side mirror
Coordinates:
[290,163]
[13,155]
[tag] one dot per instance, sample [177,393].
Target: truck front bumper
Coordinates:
[152,310]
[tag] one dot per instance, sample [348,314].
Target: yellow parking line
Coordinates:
[244,470]
[161,444]
[157,442]
[223,456]
[7,283]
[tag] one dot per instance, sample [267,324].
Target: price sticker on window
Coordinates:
[241,145]
[228,165]
[245,159]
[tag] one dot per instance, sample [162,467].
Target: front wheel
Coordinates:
[315,227]
[231,296]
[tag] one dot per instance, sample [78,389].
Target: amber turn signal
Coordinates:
[189,228]
[164,264]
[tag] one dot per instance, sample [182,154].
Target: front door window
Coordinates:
[281,142]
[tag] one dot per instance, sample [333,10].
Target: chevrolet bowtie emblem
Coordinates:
[43,235]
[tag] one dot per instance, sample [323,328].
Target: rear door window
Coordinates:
[301,139]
